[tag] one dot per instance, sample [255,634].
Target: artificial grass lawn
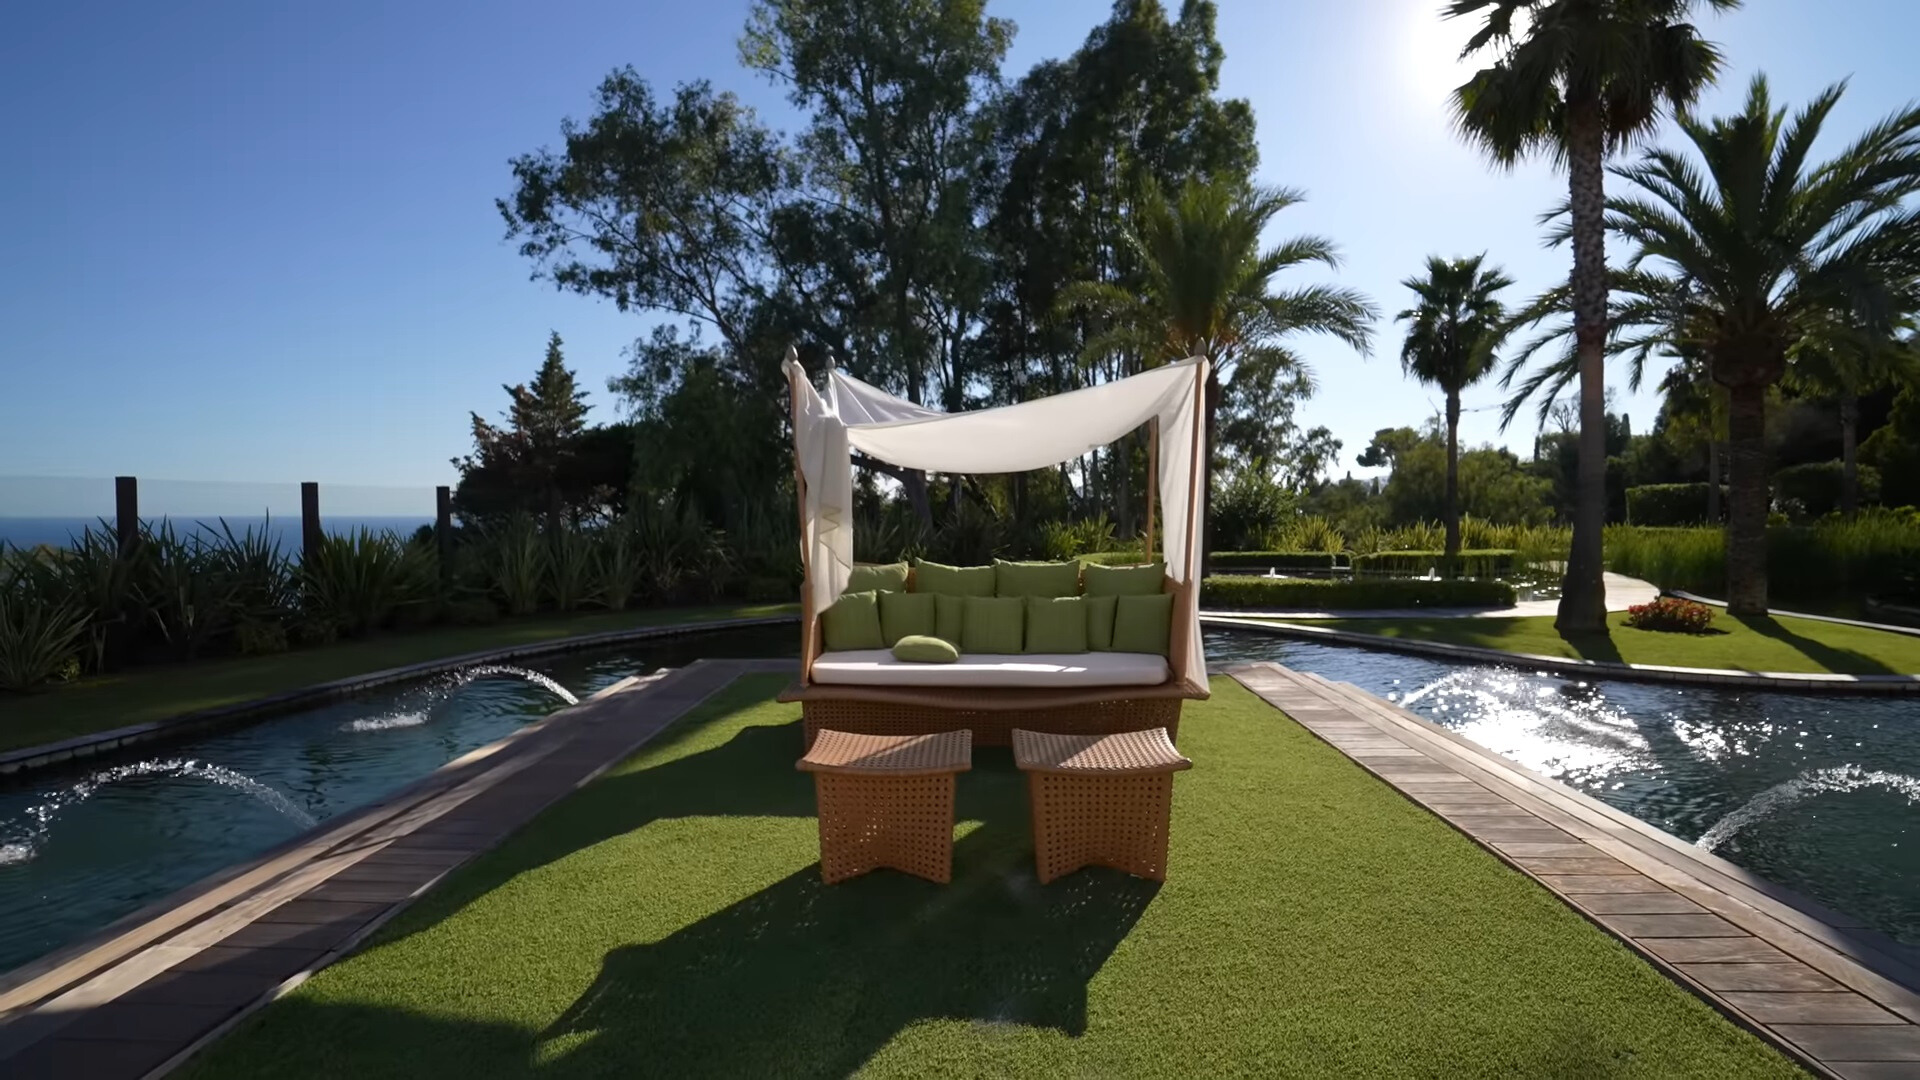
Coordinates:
[1780,643]
[669,920]
[157,692]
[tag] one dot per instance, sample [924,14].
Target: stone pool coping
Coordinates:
[143,995]
[25,759]
[1804,682]
[1835,995]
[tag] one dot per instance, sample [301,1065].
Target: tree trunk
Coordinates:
[1205,494]
[1747,492]
[1713,481]
[1849,453]
[1583,596]
[1453,481]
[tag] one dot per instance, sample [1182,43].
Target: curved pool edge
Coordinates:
[16,763]
[1721,678]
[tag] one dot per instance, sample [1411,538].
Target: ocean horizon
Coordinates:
[30,532]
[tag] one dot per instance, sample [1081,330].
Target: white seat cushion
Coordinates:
[877,667]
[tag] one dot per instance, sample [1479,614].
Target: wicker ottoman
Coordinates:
[1099,800]
[887,800]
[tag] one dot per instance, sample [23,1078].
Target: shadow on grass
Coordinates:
[799,979]
[1845,661]
[1593,646]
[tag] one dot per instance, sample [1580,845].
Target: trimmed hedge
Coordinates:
[1118,558]
[1302,595]
[1483,562]
[1665,505]
[1276,560]
[1813,490]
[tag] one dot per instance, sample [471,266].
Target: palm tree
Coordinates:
[1452,334]
[1581,79]
[1209,291]
[1840,360]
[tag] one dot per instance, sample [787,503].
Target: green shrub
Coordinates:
[516,563]
[254,638]
[1312,533]
[1291,594]
[615,565]
[1663,505]
[1813,490]
[1813,564]
[356,583]
[1066,539]
[570,565]
[40,629]
[1278,561]
[1471,563]
[1249,507]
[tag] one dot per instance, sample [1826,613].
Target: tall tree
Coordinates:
[1453,333]
[1841,360]
[1210,291]
[894,89]
[545,422]
[1578,80]
[1765,251]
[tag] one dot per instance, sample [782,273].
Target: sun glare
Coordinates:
[1430,46]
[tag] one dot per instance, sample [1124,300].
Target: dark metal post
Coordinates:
[309,521]
[443,528]
[126,511]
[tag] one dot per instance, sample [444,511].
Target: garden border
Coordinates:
[1795,682]
[15,763]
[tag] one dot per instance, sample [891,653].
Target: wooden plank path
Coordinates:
[146,993]
[1836,995]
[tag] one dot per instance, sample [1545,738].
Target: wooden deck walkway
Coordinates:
[1834,994]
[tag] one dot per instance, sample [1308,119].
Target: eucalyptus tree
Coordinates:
[1578,80]
[1453,335]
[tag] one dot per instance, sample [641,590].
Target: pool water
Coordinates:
[1820,794]
[81,848]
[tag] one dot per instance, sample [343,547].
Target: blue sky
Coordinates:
[257,243]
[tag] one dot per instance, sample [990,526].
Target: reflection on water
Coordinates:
[1817,793]
[81,848]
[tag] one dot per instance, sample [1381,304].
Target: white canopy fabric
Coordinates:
[1012,438]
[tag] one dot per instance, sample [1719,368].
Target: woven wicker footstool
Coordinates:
[887,800]
[1099,800]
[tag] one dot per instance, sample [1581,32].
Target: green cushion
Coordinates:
[934,577]
[921,649]
[905,614]
[1143,623]
[853,622]
[1056,624]
[949,617]
[877,577]
[1100,621]
[1143,580]
[994,624]
[1036,578]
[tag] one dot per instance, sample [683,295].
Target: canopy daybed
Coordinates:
[869,691]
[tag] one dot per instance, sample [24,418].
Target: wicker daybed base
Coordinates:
[990,714]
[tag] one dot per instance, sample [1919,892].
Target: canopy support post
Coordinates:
[1153,477]
[806,553]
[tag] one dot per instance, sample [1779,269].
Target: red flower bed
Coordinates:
[1672,614]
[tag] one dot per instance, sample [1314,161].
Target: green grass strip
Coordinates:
[669,920]
[144,694]
[1779,643]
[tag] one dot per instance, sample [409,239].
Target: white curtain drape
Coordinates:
[1012,438]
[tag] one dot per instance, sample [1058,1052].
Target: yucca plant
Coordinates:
[104,582]
[356,583]
[616,566]
[258,574]
[517,562]
[187,600]
[40,629]
[570,566]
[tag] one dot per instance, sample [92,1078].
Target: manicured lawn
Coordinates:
[158,692]
[1772,644]
[669,920]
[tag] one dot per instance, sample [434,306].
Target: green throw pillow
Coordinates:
[949,617]
[1100,621]
[1143,623]
[1036,578]
[876,577]
[1143,580]
[905,614]
[1056,624]
[921,649]
[853,622]
[934,577]
[994,624]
